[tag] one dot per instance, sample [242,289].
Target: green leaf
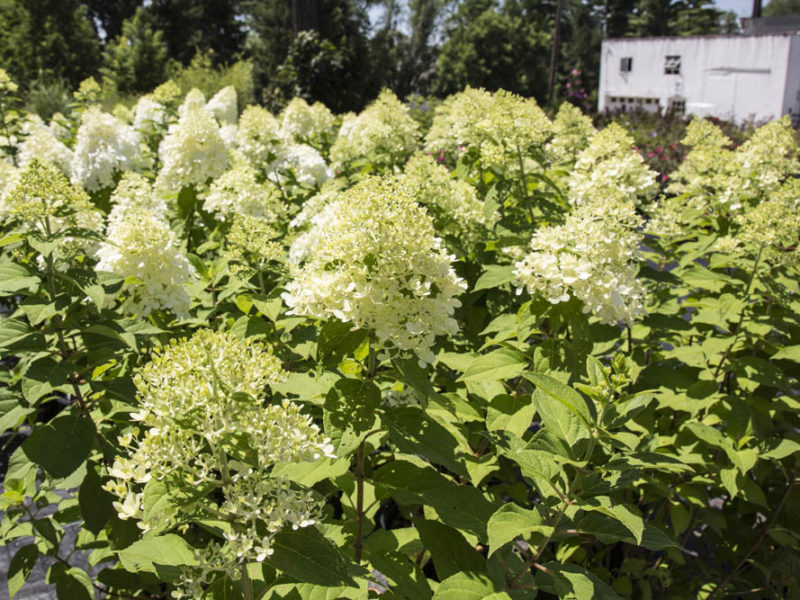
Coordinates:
[62,445]
[460,506]
[95,502]
[494,276]
[336,341]
[510,413]
[42,378]
[565,395]
[415,432]
[13,330]
[15,278]
[467,585]
[307,556]
[562,422]
[12,411]
[163,555]
[312,472]
[788,353]
[622,513]
[576,583]
[498,365]
[450,551]
[21,567]
[74,584]
[779,450]
[269,308]
[511,521]
[409,581]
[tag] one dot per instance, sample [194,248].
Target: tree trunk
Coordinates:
[304,15]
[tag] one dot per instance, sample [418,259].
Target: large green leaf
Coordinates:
[497,365]
[460,506]
[450,551]
[467,585]
[42,378]
[308,556]
[62,445]
[494,276]
[415,432]
[510,522]
[163,555]
[564,395]
[21,567]
[336,341]
[573,582]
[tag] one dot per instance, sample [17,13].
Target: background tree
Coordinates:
[777,8]
[137,60]
[192,25]
[48,39]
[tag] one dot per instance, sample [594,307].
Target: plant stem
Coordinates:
[359,542]
[741,314]
[247,585]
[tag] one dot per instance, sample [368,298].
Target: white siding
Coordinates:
[731,77]
[791,98]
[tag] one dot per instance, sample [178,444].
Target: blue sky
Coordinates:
[743,8]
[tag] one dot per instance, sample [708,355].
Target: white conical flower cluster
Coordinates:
[592,256]
[202,400]
[105,146]
[259,136]
[40,143]
[385,132]
[237,192]
[224,106]
[373,260]
[141,245]
[192,152]
[610,169]
[572,132]
[304,122]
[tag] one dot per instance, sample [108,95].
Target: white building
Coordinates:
[733,77]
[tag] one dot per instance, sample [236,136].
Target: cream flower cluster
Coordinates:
[765,160]
[203,400]
[450,200]
[40,198]
[502,126]
[610,169]
[40,143]
[314,205]
[134,192]
[592,256]
[140,244]
[252,242]
[373,260]
[224,106]
[572,132]
[192,152]
[237,191]
[104,147]
[772,227]
[149,115]
[707,175]
[384,131]
[304,123]
[305,162]
[259,136]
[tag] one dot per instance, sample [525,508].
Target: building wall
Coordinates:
[730,77]
[791,97]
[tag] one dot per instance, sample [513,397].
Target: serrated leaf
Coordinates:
[450,551]
[511,521]
[336,341]
[466,585]
[61,445]
[573,582]
[74,584]
[42,378]
[788,353]
[494,276]
[307,556]
[21,567]
[163,555]
[565,395]
[415,432]
[498,365]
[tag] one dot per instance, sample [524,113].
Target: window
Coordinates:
[678,107]
[672,65]
[626,64]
